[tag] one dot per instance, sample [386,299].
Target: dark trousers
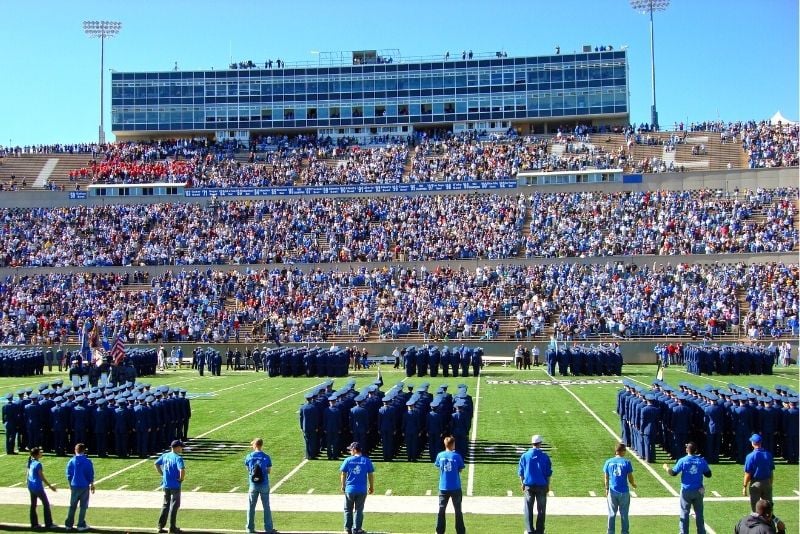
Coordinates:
[172,502]
[539,495]
[441,518]
[40,496]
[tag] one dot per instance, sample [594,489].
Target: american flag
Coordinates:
[118,350]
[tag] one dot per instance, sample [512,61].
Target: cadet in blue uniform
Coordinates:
[359,421]
[648,423]
[10,422]
[332,423]
[445,361]
[309,425]
[387,425]
[461,424]
[411,429]
[121,430]
[435,430]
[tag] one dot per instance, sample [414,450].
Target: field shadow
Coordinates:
[495,452]
[205,449]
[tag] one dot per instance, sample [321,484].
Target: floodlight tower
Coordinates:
[645,7]
[102,29]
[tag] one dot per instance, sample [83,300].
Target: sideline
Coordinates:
[288,476]
[647,466]
[473,439]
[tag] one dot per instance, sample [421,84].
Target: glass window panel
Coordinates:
[556,75]
[497,78]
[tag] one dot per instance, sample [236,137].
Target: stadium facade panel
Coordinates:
[531,94]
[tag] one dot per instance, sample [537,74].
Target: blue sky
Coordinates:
[732,59]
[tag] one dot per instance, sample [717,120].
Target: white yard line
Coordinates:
[291,473]
[233,489]
[472,439]
[647,466]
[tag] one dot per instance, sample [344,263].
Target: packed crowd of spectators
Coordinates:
[573,301]
[660,222]
[401,228]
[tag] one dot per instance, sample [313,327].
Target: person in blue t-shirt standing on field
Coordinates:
[535,470]
[36,484]
[617,474]
[259,466]
[759,466]
[173,471]
[450,465]
[355,473]
[692,468]
[80,475]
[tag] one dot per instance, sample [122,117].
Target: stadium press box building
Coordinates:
[369,93]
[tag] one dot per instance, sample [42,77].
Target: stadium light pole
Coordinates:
[102,29]
[645,7]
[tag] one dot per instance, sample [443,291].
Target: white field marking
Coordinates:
[233,489]
[498,411]
[551,494]
[521,411]
[592,494]
[471,470]
[388,492]
[427,493]
[647,466]
[703,377]
[544,411]
[15,485]
[796,492]
[289,475]
[633,494]
[197,488]
[157,489]
[122,487]
[510,493]
[220,427]
[716,494]
[566,411]
[310,491]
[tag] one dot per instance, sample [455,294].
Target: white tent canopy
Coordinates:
[780,118]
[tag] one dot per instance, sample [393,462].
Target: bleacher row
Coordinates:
[307,160]
[573,301]
[421,228]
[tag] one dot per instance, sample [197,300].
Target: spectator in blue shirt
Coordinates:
[80,475]
[450,464]
[758,469]
[617,473]
[354,474]
[535,470]
[692,468]
[173,471]
[36,484]
[259,466]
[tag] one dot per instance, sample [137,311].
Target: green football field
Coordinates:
[576,418]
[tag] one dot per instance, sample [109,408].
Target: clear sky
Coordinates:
[726,59]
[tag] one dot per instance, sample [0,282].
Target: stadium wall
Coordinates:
[727,180]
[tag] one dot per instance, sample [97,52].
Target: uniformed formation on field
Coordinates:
[127,419]
[719,420]
[277,361]
[584,360]
[431,359]
[412,421]
[32,361]
[737,359]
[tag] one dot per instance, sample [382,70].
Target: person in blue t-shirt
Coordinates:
[173,471]
[80,474]
[759,466]
[535,470]
[617,474]
[259,466]
[36,484]
[450,464]
[354,474]
[692,468]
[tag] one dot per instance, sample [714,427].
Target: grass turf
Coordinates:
[232,409]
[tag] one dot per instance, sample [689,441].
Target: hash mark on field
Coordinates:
[633,494]
[15,485]
[592,494]
[716,494]
[197,488]
[388,492]
[521,411]
[544,411]
[310,491]
[157,489]
[567,411]
[427,493]
[796,492]
[122,487]
[551,494]
[233,489]
[510,493]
